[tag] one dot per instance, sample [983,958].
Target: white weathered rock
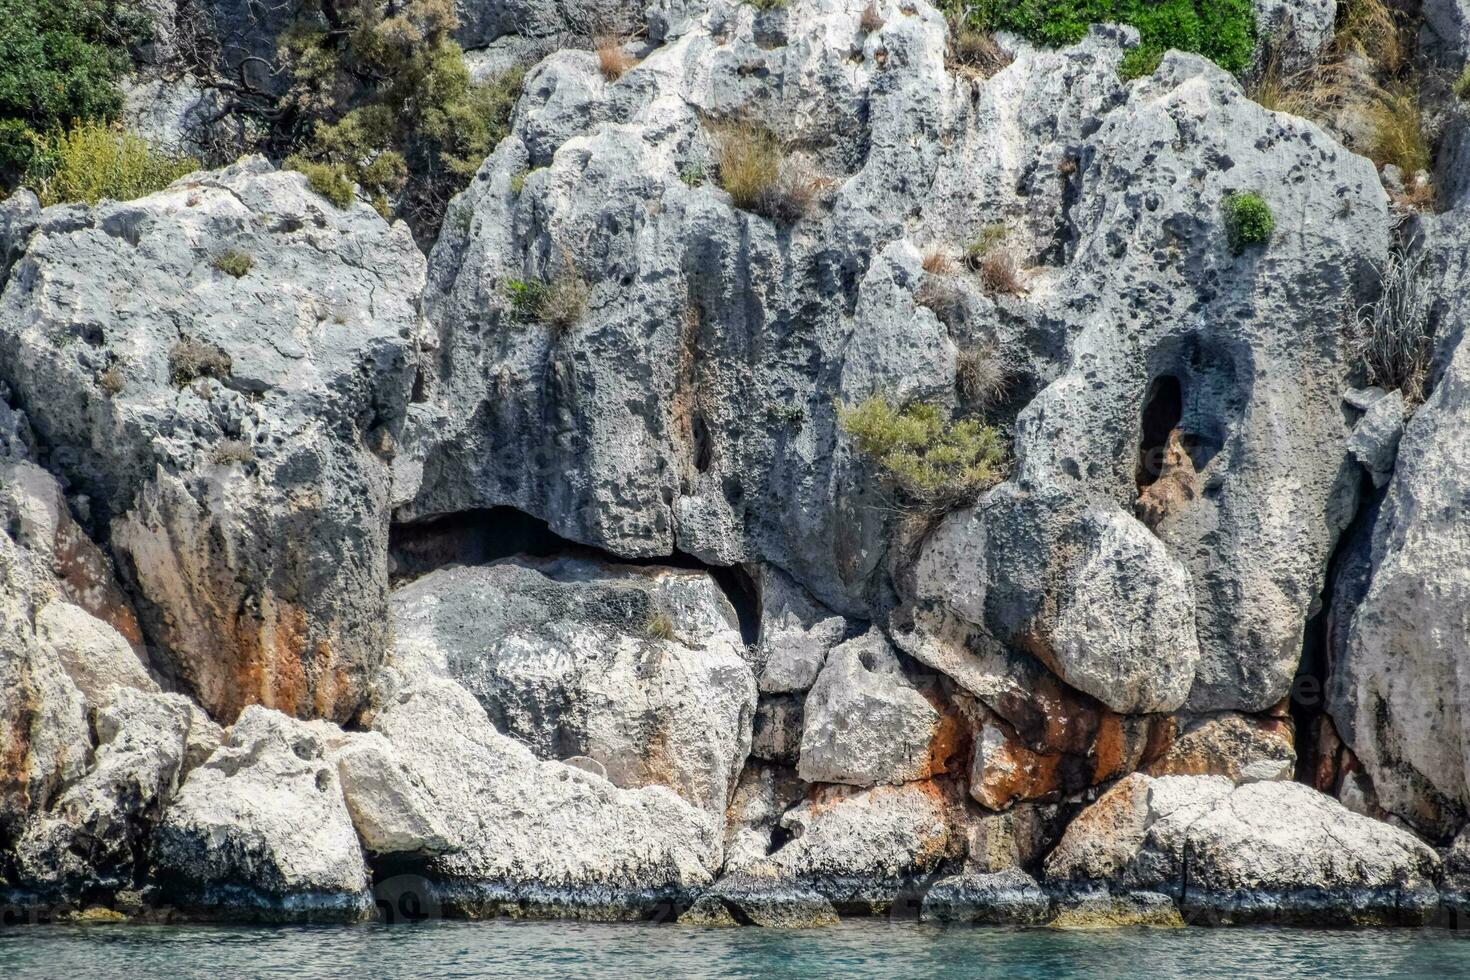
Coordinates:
[1375,439]
[94,655]
[229,428]
[95,833]
[261,829]
[539,837]
[390,808]
[571,657]
[795,635]
[864,722]
[1263,851]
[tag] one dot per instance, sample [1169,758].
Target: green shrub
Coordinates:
[989,237]
[1222,30]
[330,182]
[692,175]
[659,626]
[768,4]
[94,160]
[382,95]
[760,176]
[59,63]
[558,303]
[1462,85]
[934,461]
[235,263]
[1248,220]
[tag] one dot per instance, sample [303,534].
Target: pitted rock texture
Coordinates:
[641,670]
[1264,851]
[1397,687]
[232,431]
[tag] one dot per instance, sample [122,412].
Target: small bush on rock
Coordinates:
[612,60]
[330,182]
[1000,275]
[761,176]
[1248,220]
[989,238]
[659,626]
[1462,85]
[94,160]
[871,21]
[975,50]
[235,263]
[980,375]
[1398,131]
[559,303]
[1392,337]
[934,461]
[191,359]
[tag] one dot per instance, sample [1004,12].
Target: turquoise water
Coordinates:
[872,948]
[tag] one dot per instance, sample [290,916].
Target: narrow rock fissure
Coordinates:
[487,535]
[1161,414]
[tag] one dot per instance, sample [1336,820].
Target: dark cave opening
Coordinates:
[486,535]
[1162,411]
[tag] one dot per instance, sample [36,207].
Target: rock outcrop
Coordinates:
[230,427]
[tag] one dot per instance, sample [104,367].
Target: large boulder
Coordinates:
[1398,660]
[261,830]
[1263,851]
[639,669]
[525,836]
[865,722]
[229,414]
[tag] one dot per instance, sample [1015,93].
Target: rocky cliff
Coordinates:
[830,459]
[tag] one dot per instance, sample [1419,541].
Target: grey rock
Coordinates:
[261,829]
[540,838]
[230,475]
[1263,851]
[1446,31]
[1397,684]
[763,795]
[178,115]
[744,899]
[1003,898]
[1091,910]
[864,848]
[1375,439]
[96,832]
[562,656]
[865,722]
[391,810]
[94,655]
[1249,504]
[1018,838]
[795,634]
[1292,33]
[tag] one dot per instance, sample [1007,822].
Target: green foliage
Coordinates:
[235,263]
[768,4]
[558,303]
[934,461]
[1248,220]
[1139,62]
[659,626]
[331,182]
[384,98]
[94,160]
[59,63]
[692,175]
[989,237]
[1462,85]
[1222,30]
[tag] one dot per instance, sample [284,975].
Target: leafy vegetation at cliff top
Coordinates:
[96,160]
[59,63]
[1222,30]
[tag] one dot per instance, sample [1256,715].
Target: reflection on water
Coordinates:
[871,948]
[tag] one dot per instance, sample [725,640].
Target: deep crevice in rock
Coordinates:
[1161,414]
[487,535]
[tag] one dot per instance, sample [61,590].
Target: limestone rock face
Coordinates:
[795,635]
[1003,898]
[230,429]
[1163,336]
[1396,686]
[1263,851]
[864,722]
[542,837]
[1238,747]
[94,655]
[95,833]
[863,848]
[639,669]
[261,829]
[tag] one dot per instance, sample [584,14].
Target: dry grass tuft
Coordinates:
[612,60]
[872,20]
[1367,27]
[975,51]
[761,176]
[1391,336]
[981,375]
[1398,131]
[1000,274]
[938,262]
